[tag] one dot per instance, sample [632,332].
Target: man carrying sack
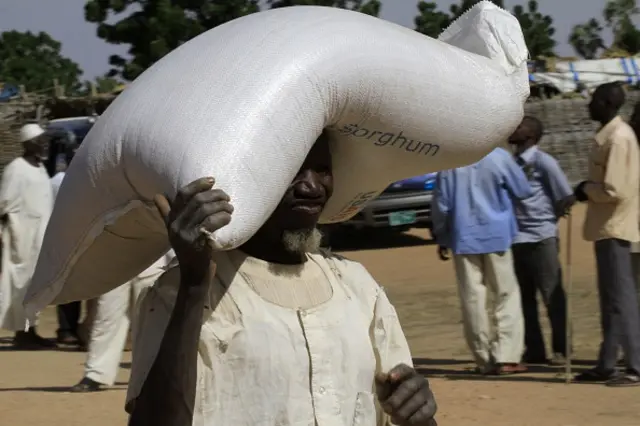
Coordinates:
[275,332]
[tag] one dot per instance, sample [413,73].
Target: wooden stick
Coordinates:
[569,285]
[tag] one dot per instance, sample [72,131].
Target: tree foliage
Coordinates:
[617,12]
[34,60]
[537,29]
[104,84]
[458,9]
[155,27]
[431,21]
[618,15]
[628,38]
[586,39]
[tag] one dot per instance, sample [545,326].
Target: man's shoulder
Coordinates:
[15,163]
[623,133]
[338,259]
[545,159]
[499,157]
[352,273]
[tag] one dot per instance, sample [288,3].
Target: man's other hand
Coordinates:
[405,395]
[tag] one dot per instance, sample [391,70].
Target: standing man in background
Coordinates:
[115,312]
[473,217]
[536,247]
[612,193]
[635,247]
[69,313]
[26,202]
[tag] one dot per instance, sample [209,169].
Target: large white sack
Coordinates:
[245,102]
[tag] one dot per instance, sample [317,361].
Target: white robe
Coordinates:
[115,312]
[262,364]
[27,199]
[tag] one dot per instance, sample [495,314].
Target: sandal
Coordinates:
[624,380]
[507,369]
[594,376]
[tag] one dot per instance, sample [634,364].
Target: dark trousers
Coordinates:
[69,317]
[619,312]
[538,269]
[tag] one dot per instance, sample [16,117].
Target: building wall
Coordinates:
[10,148]
[568,133]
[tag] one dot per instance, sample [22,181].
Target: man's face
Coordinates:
[597,106]
[307,195]
[520,136]
[37,147]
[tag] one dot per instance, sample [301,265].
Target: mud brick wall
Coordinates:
[569,131]
[10,148]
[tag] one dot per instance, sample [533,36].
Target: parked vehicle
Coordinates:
[79,126]
[403,205]
[65,133]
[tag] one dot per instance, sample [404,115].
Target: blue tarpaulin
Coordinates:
[8,91]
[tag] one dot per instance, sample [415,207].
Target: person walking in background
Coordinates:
[69,313]
[612,196]
[536,247]
[473,217]
[26,202]
[115,312]
[635,246]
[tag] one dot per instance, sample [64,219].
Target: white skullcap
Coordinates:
[29,132]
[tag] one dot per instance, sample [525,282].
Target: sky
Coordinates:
[64,21]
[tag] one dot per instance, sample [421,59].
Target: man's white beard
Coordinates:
[302,241]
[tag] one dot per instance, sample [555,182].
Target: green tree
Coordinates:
[430,21]
[586,39]
[370,7]
[458,9]
[618,12]
[34,60]
[537,29]
[106,84]
[618,15]
[628,37]
[156,27]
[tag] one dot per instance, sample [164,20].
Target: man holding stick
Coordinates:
[275,332]
[612,193]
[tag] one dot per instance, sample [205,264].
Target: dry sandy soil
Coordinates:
[33,384]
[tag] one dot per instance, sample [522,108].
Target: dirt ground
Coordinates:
[33,384]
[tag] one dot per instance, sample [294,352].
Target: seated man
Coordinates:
[273,333]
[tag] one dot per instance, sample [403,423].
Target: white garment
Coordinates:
[56,181]
[260,364]
[476,272]
[114,314]
[26,198]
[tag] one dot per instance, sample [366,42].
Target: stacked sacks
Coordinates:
[245,102]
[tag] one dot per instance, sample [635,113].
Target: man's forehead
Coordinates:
[320,147]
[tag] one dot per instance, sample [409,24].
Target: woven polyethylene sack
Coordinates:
[244,102]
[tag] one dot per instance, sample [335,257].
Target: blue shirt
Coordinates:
[536,215]
[473,210]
